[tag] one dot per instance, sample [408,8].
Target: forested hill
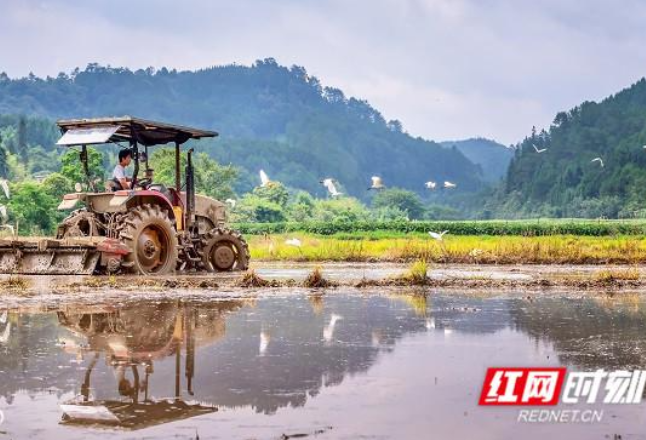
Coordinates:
[271,117]
[492,157]
[564,180]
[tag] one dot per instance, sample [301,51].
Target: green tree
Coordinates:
[341,209]
[404,200]
[252,208]
[57,185]
[4,168]
[72,168]
[32,208]
[274,192]
[301,208]
[211,178]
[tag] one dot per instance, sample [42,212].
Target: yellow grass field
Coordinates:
[557,249]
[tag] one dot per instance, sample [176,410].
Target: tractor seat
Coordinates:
[112,185]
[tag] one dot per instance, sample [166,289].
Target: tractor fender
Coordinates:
[129,199]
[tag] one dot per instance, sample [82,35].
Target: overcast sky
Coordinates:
[448,69]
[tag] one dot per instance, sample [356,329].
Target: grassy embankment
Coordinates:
[491,242]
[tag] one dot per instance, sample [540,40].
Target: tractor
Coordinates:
[150,229]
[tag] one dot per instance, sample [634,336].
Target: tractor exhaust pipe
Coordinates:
[190,190]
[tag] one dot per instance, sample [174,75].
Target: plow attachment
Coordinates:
[58,257]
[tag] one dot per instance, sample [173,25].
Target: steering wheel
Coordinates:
[144,183]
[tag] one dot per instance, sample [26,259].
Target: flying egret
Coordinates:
[5,187]
[449,185]
[331,187]
[377,183]
[293,242]
[264,179]
[598,159]
[430,185]
[231,202]
[438,237]
[539,150]
[328,331]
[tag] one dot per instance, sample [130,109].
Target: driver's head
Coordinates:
[125,156]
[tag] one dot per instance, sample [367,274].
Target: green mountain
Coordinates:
[492,157]
[565,180]
[270,117]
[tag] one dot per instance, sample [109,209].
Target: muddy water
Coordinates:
[343,365]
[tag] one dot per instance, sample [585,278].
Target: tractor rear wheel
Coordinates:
[152,239]
[224,250]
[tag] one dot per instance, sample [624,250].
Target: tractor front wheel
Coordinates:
[224,250]
[152,239]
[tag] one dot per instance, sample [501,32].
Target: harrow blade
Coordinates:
[47,257]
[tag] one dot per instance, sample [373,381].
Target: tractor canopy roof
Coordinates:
[125,129]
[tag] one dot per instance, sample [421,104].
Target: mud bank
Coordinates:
[333,276]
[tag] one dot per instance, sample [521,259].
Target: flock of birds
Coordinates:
[596,159]
[377,183]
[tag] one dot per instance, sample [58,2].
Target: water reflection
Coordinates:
[131,340]
[589,333]
[145,363]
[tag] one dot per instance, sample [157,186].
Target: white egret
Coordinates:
[438,237]
[598,159]
[377,183]
[331,187]
[5,188]
[449,185]
[264,179]
[539,150]
[293,242]
[430,185]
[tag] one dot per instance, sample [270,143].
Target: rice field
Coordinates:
[479,249]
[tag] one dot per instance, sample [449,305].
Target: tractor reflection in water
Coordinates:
[131,340]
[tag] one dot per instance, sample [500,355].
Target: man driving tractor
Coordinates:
[121,181]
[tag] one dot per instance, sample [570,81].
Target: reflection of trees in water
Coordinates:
[278,353]
[591,333]
[30,357]
[229,369]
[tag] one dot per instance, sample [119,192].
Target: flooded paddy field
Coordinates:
[346,363]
